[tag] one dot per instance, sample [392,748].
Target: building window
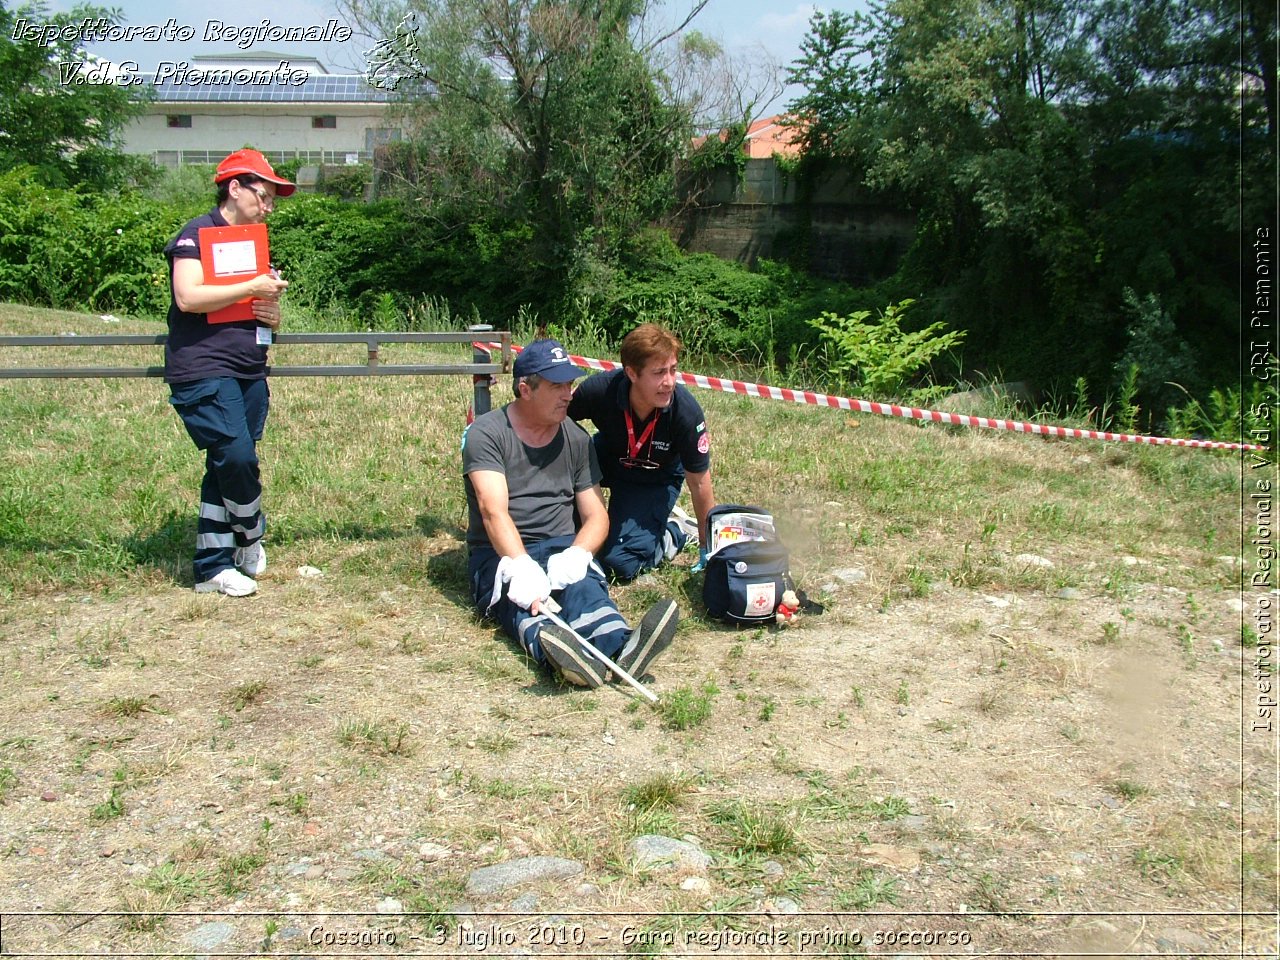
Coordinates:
[324,123]
[179,120]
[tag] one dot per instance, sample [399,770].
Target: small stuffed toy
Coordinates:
[788,609]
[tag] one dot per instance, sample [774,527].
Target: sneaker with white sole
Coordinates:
[669,549]
[686,524]
[656,631]
[568,658]
[229,581]
[251,560]
[681,531]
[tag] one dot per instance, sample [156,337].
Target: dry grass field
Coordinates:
[1018,729]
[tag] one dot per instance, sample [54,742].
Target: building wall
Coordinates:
[838,232]
[276,129]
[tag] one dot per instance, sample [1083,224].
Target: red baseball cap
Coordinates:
[251,161]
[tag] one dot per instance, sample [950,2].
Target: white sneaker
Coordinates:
[231,582]
[687,524]
[252,560]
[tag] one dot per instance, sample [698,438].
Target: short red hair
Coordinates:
[646,343]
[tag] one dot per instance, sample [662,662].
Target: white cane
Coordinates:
[549,608]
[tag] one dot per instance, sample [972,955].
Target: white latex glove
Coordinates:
[568,566]
[528,583]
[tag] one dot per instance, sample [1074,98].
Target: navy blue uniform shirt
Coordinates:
[197,349]
[679,440]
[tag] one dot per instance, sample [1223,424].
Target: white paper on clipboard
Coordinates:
[234,258]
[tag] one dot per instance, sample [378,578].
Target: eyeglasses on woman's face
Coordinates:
[267,200]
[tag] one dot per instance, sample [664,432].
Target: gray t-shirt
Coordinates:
[541,481]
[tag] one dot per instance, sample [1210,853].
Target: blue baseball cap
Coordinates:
[549,360]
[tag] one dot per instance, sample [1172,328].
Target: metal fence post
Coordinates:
[480,402]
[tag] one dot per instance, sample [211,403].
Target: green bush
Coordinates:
[880,359]
[74,249]
[717,308]
[371,262]
[189,186]
[1231,416]
[326,249]
[720,309]
[1161,356]
[346,182]
[353,255]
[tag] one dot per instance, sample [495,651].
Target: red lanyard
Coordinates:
[633,445]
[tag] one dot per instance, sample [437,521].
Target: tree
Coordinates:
[719,88]
[552,112]
[834,68]
[52,116]
[1059,153]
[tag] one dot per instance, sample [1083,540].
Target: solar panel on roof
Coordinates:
[233,85]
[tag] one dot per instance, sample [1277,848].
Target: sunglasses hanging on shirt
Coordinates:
[633,460]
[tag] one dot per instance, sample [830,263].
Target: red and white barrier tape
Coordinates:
[911,413]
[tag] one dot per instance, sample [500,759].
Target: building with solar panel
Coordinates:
[288,107]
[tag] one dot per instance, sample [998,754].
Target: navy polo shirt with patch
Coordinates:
[197,349]
[679,441]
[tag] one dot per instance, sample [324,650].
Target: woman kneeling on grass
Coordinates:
[217,376]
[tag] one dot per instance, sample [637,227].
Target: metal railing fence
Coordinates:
[482,368]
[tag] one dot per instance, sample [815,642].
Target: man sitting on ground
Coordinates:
[528,473]
[651,437]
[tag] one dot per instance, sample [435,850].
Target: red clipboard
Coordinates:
[234,255]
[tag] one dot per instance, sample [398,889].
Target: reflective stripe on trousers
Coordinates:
[585,605]
[225,418]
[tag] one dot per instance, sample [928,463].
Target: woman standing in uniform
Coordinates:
[217,376]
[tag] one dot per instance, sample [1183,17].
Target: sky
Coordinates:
[742,27]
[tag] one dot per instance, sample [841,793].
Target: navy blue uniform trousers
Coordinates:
[638,520]
[585,605]
[225,418]
[638,515]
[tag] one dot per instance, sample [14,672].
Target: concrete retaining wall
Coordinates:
[839,233]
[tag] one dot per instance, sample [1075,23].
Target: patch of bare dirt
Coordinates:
[1023,771]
